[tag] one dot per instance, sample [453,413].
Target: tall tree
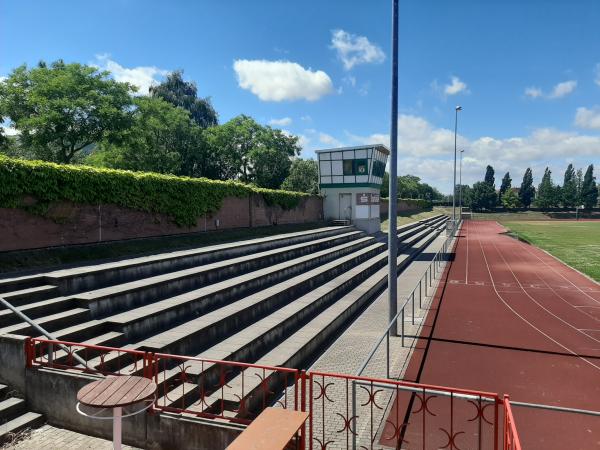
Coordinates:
[184,94]
[589,191]
[162,139]
[569,188]
[252,153]
[483,196]
[489,176]
[579,183]
[505,186]
[547,192]
[303,177]
[63,108]
[527,191]
[510,199]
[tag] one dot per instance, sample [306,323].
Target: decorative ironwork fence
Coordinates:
[345,411]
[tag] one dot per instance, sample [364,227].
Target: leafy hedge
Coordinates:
[181,198]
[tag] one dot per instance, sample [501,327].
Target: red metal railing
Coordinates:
[511,437]
[345,411]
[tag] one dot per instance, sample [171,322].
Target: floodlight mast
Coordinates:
[393,188]
[456,110]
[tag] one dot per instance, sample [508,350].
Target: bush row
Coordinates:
[183,199]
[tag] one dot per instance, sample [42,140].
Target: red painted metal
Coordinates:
[511,437]
[334,417]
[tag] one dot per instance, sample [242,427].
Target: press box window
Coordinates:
[356,167]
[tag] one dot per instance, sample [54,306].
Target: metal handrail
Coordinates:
[427,275]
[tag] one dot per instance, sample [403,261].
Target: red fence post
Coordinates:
[28,353]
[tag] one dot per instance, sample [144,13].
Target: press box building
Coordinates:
[350,181]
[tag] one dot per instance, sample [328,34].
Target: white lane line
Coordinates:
[560,274]
[529,323]
[467,262]
[533,299]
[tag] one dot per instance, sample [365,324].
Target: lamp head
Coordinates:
[458,108]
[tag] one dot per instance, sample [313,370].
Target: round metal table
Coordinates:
[116,393]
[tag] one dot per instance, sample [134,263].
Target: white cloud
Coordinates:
[142,76]
[597,80]
[588,118]
[2,79]
[455,87]
[329,140]
[8,129]
[354,50]
[283,122]
[533,92]
[563,89]
[276,81]
[306,118]
[427,151]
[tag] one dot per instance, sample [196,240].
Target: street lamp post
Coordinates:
[456,110]
[393,212]
[460,184]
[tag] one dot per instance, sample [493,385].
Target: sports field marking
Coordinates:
[550,338]
[467,258]
[555,271]
[535,301]
[535,272]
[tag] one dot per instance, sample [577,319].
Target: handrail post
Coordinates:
[413,306]
[420,294]
[402,327]
[387,359]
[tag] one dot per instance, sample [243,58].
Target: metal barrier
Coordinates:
[345,411]
[511,437]
[422,287]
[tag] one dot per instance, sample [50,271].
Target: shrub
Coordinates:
[183,199]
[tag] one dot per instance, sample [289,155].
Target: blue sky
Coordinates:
[527,73]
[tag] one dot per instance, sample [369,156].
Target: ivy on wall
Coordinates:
[181,198]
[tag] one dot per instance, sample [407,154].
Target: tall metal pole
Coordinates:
[456,110]
[460,184]
[392,231]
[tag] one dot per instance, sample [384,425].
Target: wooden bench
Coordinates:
[273,429]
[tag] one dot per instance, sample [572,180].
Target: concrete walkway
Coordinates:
[348,353]
[51,438]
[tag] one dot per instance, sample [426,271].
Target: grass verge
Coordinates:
[575,243]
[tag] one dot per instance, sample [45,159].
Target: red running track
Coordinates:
[512,319]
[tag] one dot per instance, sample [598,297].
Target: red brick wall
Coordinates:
[67,223]
[401,205]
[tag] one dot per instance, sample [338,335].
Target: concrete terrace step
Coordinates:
[50,323]
[295,305]
[235,313]
[31,294]
[24,421]
[295,350]
[94,276]
[246,344]
[38,309]
[134,293]
[11,408]
[213,325]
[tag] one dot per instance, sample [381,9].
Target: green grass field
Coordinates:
[407,217]
[575,243]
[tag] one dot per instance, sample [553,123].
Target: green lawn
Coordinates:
[575,243]
[407,217]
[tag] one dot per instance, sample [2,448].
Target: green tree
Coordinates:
[527,191]
[184,94]
[589,191]
[579,187]
[483,196]
[489,177]
[303,177]
[242,145]
[505,186]
[63,108]
[548,194]
[162,139]
[385,185]
[510,199]
[569,188]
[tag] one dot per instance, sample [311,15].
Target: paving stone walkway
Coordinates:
[347,354]
[51,438]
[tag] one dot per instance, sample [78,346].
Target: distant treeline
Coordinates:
[578,189]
